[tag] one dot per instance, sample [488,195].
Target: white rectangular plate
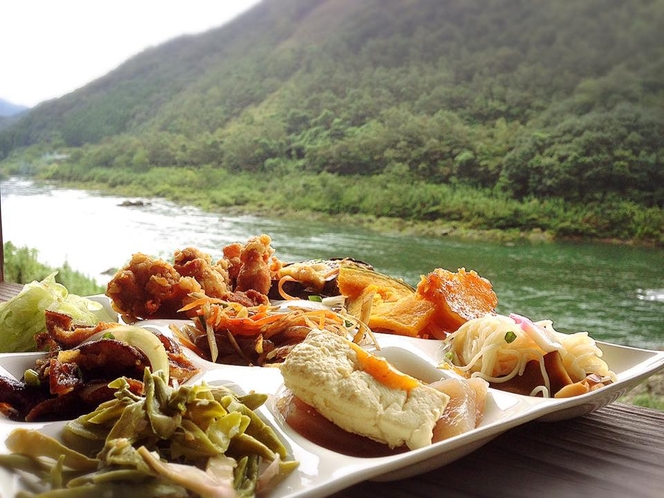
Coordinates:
[322,472]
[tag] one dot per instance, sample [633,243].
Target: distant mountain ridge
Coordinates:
[10,113]
[547,99]
[8,109]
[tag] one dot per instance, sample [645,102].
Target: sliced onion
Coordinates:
[542,337]
[143,340]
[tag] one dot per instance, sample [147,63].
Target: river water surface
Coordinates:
[614,292]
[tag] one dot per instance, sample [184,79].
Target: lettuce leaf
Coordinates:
[22,317]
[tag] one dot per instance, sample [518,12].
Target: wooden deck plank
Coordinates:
[9,290]
[615,452]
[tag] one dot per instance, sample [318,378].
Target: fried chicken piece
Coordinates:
[150,288]
[232,254]
[251,269]
[255,272]
[153,288]
[213,277]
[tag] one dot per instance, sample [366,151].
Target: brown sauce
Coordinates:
[532,376]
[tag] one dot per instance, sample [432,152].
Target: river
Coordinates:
[614,292]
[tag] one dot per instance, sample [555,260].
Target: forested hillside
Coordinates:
[528,100]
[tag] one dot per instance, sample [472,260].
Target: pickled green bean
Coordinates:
[195,440]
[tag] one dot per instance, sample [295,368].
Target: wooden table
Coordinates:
[617,451]
[9,290]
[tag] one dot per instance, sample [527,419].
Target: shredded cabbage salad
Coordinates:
[22,317]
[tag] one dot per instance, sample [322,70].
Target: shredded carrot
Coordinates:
[263,309]
[219,315]
[230,321]
[270,318]
[212,316]
[248,326]
[196,303]
[186,341]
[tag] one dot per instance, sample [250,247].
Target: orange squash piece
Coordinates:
[353,280]
[457,297]
[408,316]
[442,302]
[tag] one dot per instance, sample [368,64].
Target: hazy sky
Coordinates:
[51,47]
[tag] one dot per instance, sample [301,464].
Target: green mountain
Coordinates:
[532,98]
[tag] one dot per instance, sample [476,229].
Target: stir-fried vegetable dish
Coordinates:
[198,440]
[228,332]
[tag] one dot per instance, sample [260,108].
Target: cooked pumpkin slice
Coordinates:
[353,280]
[408,316]
[458,297]
[442,302]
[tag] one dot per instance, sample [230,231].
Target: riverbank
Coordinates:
[400,226]
[385,202]
[440,227]
[419,228]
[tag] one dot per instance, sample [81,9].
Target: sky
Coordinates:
[49,48]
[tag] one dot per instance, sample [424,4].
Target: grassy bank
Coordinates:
[23,266]
[386,202]
[650,393]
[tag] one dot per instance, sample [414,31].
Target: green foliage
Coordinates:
[587,158]
[22,266]
[649,401]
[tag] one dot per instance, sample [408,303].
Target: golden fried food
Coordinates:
[213,276]
[254,272]
[149,288]
[232,254]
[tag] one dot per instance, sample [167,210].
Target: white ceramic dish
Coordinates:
[322,472]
